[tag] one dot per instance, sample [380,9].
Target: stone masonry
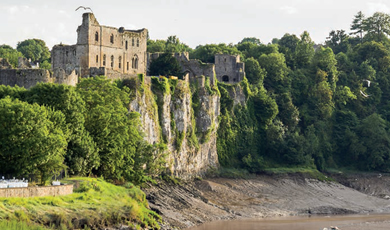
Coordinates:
[227,68]
[102,47]
[60,190]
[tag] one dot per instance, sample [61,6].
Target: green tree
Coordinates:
[34,49]
[377,26]
[275,65]
[254,73]
[32,139]
[376,142]
[82,154]
[156,46]
[357,25]
[337,41]
[173,45]
[114,130]
[9,53]
[287,46]
[304,51]
[165,65]
[253,40]
[206,53]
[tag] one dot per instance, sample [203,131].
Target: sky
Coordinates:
[194,22]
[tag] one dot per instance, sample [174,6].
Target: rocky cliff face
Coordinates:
[183,115]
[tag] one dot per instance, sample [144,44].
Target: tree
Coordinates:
[173,45]
[82,153]
[287,45]
[357,24]
[9,53]
[34,49]
[304,51]
[275,65]
[254,73]
[337,41]
[165,65]
[206,53]
[376,142]
[253,40]
[32,139]
[114,130]
[325,60]
[377,26]
[156,46]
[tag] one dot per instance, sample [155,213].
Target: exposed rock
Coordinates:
[190,135]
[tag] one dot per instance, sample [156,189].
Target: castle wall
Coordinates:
[59,190]
[120,50]
[191,68]
[28,78]
[228,68]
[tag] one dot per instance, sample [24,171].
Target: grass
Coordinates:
[94,203]
[15,225]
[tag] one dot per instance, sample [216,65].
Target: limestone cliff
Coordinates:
[183,115]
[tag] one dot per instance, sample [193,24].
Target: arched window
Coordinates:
[127,65]
[112,61]
[97,36]
[225,78]
[137,42]
[126,45]
[104,60]
[120,62]
[97,59]
[134,62]
[112,39]
[132,42]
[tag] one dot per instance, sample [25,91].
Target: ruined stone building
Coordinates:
[103,50]
[26,76]
[227,68]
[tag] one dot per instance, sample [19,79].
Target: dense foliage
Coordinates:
[316,106]
[86,130]
[32,49]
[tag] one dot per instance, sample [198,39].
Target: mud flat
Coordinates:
[193,203]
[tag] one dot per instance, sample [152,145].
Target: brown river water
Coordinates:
[350,222]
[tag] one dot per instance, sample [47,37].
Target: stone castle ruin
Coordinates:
[227,68]
[115,53]
[103,50]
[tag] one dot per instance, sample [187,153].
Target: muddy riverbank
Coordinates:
[193,203]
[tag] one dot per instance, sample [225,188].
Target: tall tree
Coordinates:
[357,25]
[377,26]
[35,49]
[32,139]
[82,154]
[337,41]
[304,50]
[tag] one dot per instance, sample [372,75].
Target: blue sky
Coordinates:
[195,22]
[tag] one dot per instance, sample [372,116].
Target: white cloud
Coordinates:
[288,9]
[377,7]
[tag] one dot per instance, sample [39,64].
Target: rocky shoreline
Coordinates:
[193,203]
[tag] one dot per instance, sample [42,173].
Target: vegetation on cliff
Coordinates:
[319,108]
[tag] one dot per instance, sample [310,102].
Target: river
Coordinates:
[350,222]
